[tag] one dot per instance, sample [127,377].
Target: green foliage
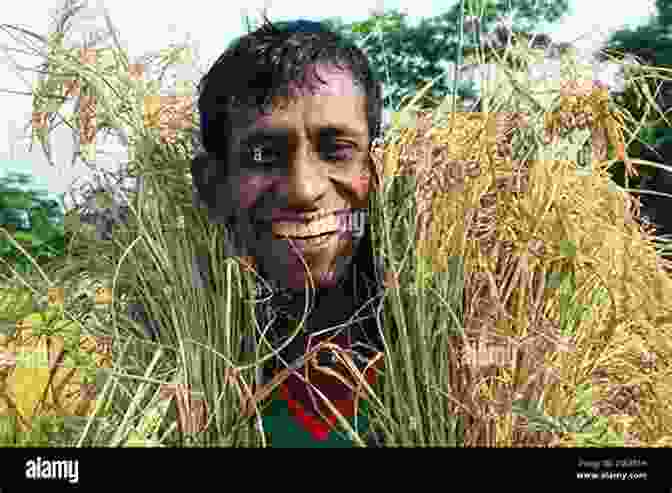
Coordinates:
[414,55]
[41,251]
[45,431]
[42,236]
[652,45]
[588,429]
[649,41]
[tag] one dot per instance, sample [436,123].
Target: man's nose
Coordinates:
[306,181]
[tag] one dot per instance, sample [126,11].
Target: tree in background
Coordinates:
[33,219]
[27,209]
[406,57]
[648,44]
[650,41]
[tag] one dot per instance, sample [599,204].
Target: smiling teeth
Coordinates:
[328,224]
[303,242]
[311,237]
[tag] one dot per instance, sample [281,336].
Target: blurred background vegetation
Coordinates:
[35,221]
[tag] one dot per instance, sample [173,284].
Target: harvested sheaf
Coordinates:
[520,226]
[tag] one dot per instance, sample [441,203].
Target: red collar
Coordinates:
[318,427]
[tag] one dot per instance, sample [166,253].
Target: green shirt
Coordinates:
[290,420]
[287,428]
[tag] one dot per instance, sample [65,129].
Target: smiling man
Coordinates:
[300,173]
[288,115]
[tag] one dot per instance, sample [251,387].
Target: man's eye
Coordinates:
[339,153]
[262,155]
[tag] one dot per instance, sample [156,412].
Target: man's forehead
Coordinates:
[343,112]
[273,131]
[327,80]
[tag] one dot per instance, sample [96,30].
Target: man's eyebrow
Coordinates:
[341,131]
[262,133]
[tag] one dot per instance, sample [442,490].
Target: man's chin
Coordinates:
[302,282]
[288,271]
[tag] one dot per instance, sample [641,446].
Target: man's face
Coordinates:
[302,172]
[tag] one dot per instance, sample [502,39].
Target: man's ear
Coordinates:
[206,173]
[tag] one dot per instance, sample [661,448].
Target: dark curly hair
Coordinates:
[258,68]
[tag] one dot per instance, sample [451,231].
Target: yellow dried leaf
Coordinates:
[26,384]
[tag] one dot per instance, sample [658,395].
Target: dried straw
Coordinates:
[514,222]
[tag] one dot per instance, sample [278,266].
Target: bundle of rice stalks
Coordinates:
[150,253]
[564,294]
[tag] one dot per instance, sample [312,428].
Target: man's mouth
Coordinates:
[307,241]
[306,230]
[303,237]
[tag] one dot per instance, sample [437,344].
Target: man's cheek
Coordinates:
[361,186]
[251,187]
